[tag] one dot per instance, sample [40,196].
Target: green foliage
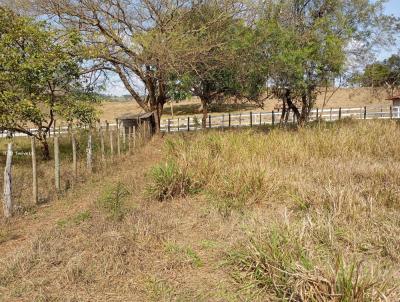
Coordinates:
[215,72]
[39,77]
[112,201]
[307,44]
[384,74]
[168,181]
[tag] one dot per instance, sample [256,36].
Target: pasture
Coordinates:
[260,214]
[342,97]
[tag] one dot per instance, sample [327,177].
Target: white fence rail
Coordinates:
[245,119]
[191,123]
[54,131]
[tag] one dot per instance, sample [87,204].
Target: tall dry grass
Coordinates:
[242,215]
[338,185]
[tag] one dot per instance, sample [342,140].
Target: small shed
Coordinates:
[396,100]
[138,121]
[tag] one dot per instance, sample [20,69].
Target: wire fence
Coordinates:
[30,179]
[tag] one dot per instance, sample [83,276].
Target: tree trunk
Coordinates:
[158,110]
[45,150]
[204,110]
[293,107]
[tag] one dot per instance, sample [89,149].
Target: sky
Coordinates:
[392,7]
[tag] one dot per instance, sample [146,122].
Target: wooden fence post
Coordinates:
[57,177]
[124,137]
[273,118]
[391,112]
[8,202]
[134,136]
[340,113]
[317,114]
[129,140]
[188,124]
[103,152]
[251,119]
[178,124]
[118,139]
[229,122]
[111,144]
[34,172]
[260,119]
[209,121]
[74,157]
[89,153]
[365,112]
[107,126]
[169,126]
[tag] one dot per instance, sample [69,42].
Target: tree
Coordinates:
[225,67]
[39,79]
[307,43]
[145,42]
[131,38]
[384,74]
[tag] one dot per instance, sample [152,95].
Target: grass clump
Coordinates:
[168,181]
[281,263]
[113,199]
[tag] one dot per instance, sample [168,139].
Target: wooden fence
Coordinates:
[106,142]
[246,119]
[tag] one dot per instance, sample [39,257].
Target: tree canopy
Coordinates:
[382,74]
[307,44]
[39,78]
[163,49]
[216,73]
[135,39]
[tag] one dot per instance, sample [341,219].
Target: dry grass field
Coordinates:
[345,97]
[239,215]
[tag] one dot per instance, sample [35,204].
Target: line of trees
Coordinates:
[216,50]
[382,74]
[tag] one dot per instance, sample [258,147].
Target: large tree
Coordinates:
[308,43]
[135,39]
[39,79]
[226,67]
